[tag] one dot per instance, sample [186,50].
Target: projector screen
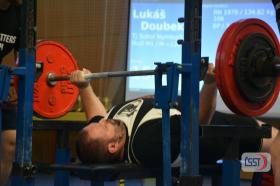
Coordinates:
[154,31]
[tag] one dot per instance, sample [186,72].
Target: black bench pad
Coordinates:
[125,171]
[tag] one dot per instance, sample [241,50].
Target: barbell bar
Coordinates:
[52,78]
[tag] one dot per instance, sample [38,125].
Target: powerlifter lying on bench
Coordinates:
[131,131]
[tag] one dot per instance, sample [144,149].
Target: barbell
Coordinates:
[247,66]
[54,96]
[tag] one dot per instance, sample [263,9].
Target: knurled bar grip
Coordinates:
[52,77]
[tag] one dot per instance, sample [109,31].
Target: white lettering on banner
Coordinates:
[149,14]
[1,46]
[7,38]
[161,26]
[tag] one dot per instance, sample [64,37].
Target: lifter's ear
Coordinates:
[113,147]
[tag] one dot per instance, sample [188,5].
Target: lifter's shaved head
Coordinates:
[102,142]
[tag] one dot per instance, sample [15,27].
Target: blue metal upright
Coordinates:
[165,95]
[231,173]
[62,156]
[23,169]
[4,89]
[191,55]
[5,79]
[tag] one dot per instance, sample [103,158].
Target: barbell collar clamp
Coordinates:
[181,20]
[180,41]
[51,79]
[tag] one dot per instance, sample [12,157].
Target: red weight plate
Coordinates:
[54,101]
[225,59]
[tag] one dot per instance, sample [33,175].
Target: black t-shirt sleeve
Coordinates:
[18,13]
[95,119]
[17,45]
[10,32]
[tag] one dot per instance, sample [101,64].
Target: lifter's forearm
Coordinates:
[276,177]
[207,103]
[274,150]
[91,103]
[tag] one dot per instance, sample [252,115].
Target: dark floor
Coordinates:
[48,180]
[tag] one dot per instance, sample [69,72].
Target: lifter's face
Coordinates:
[103,130]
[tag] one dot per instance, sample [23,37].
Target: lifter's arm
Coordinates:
[208,96]
[272,146]
[91,103]
[274,150]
